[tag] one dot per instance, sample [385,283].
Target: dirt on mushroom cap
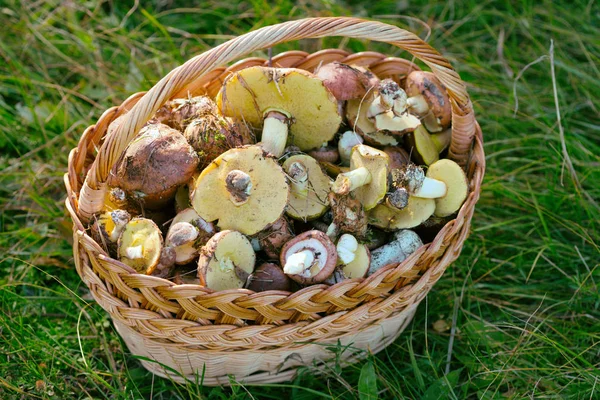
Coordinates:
[248,94]
[267,199]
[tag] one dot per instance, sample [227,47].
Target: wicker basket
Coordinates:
[182,331]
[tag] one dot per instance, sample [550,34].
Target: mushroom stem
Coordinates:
[299,176]
[346,248]
[299,262]
[348,181]
[418,104]
[347,141]
[134,252]
[431,189]
[275,132]
[238,185]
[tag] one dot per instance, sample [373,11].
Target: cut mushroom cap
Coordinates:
[226,261]
[425,91]
[279,99]
[367,178]
[308,188]
[454,177]
[272,239]
[391,219]
[309,257]
[140,245]
[356,113]
[243,189]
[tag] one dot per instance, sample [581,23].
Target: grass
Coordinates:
[517,316]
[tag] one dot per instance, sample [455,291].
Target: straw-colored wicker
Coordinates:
[184,330]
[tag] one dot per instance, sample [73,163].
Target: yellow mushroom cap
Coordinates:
[140,245]
[265,202]
[414,214]
[454,177]
[312,202]
[250,93]
[376,161]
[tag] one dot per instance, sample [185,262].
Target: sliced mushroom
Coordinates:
[140,245]
[272,239]
[309,257]
[269,276]
[187,234]
[367,178]
[243,189]
[428,98]
[282,100]
[454,178]
[226,261]
[309,188]
[404,244]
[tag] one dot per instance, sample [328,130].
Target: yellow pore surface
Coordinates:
[141,232]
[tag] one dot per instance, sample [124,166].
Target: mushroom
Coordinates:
[356,113]
[348,216]
[326,153]
[428,98]
[454,178]
[354,258]
[308,188]
[412,179]
[179,113]
[422,147]
[226,261]
[182,197]
[389,218]
[367,178]
[107,228]
[345,81]
[140,245]
[309,257]
[242,188]
[404,244]
[388,110]
[347,141]
[442,140]
[165,263]
[268,276]
[398,156]
[154,165]
[282,100]
[211,134]
[272,239]
[187,234]
[333,170]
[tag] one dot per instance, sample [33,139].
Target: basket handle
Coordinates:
[92,193]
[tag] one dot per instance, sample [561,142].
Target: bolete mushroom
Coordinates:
[309,257]
[140,245]
[282,100]
[345,81]
[390,218]
[347,141]
[309,187]
[243,189]
[268,276]
[326,154]
[226,261]
[356,113]
[388,109]
[187,234]
[367,178]
[272,239]
[428,98]
[398,156]
[412,179]
[404,244]
[348,216]
[421,146]
[353,258]
[154,165]
[107,229]
[454,178]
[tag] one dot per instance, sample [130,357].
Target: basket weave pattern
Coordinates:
[184,326]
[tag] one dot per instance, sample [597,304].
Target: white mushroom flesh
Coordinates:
[274,134]
[346,248]
[134,252]
[431,189]
[317,250]
[299,262]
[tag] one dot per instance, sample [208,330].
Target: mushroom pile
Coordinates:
[285,179]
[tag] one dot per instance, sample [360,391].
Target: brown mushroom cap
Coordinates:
[155,163]
[226,261]
[272,239]
[186,252]
[454,177]
[140,245]
[344,81]
[266,198]
[269,276]
[398,156]
[427,84]
[326,153]
[308,199]
[356,112]
[391,219]
[323,250]
[311,109]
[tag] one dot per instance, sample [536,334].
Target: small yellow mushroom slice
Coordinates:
[140,245]
[309,188]
[416,212]
[226,261]
[454,177]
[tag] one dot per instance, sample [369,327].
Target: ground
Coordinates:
[522,299]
